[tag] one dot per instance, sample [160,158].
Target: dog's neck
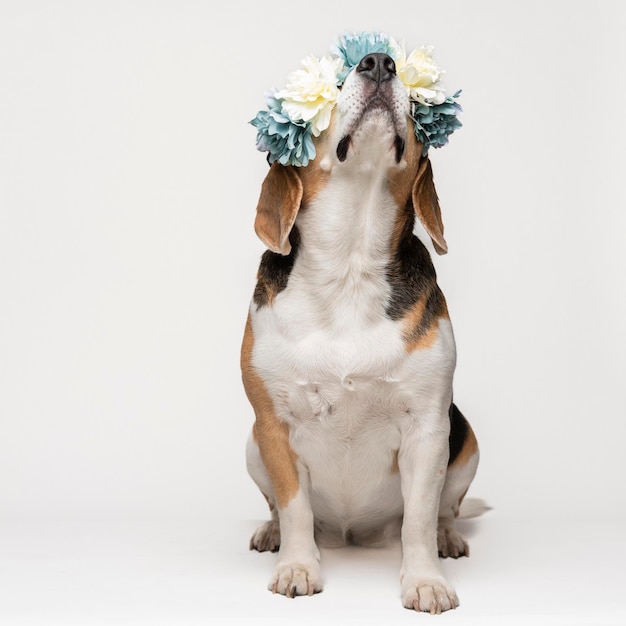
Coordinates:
[345,241]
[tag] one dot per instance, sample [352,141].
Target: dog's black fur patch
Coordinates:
[458,432]
[274,271]
[412,277]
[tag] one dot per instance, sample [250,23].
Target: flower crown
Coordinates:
[301,111]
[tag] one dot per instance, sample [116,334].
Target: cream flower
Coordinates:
[420,75]
[311,92]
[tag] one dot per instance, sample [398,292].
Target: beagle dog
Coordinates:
[348,353]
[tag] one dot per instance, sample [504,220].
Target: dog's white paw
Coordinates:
[451,544]
[296,579]
[266,537]
[429,595]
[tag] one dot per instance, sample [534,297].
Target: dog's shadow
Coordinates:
[349,562]
[383,558]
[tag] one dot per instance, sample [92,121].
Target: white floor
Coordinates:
[551,572]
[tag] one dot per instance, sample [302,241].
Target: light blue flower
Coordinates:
[434,124]
[352,47]
[287,141]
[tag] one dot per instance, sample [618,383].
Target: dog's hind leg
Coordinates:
[266,537]
[461,470]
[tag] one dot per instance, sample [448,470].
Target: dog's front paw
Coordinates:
[296,579]
[429,595]
[451,544]
[266,537]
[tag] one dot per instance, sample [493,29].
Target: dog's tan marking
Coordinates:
[266,290]
[403,224]
[395,467]
[469,449]
[420,324]
[314,179]
[401,179]
[415,336]
[271,434]
[314,176]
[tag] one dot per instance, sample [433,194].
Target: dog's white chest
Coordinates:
[342,401]
[341,378]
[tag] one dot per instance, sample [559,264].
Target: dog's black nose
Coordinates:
[377,66]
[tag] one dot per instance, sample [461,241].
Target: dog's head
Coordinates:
[371,129]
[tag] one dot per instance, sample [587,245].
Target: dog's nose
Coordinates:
[377,66]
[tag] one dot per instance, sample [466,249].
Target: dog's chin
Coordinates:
[375,137]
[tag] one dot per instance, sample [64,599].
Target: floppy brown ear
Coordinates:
[281,194]
[426,205]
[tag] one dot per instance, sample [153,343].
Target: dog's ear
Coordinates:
[426,205]
[279,202]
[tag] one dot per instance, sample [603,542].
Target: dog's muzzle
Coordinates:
[376,72]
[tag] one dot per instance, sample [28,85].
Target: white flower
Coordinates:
[420,75]
[311,92]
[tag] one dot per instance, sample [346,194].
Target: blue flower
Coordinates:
[352,47]
[434,124]
[287,141]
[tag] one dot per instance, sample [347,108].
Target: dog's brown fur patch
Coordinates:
[313,177]
[420,324]
[272,434]
[395,466]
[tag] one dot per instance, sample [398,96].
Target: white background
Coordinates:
[128,182]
